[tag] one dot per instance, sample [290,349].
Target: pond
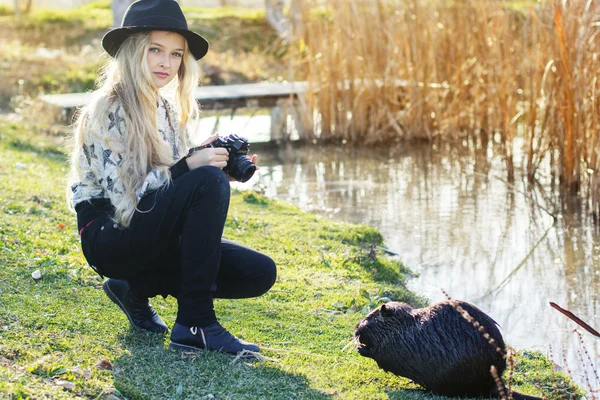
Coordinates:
[452,218]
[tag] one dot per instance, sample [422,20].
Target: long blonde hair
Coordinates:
[126,80]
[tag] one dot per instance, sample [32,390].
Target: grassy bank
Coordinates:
[55,331]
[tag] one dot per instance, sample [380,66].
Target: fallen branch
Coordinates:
[579,322]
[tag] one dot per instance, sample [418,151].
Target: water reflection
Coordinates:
[453,219]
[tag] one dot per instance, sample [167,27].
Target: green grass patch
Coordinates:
[77,79]
[56,330]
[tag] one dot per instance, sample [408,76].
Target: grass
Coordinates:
[56,330]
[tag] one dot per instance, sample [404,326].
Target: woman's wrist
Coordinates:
[179,168]
[195,149]
[190,163]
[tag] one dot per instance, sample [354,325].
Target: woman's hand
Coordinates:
[216,157]
[254,160]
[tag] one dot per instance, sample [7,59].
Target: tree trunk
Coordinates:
[277,19]
[285,26]
[297,18]
[17,8]
[118,8]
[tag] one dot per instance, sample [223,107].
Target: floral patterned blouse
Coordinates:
[99,178]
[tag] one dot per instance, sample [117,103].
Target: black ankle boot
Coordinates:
[138,310]
[212,337]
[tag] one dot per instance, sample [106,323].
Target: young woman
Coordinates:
[149,214]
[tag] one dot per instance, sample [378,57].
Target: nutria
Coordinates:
[436,347]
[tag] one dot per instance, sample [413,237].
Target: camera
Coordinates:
[238,167]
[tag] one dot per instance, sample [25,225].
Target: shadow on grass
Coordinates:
[150,371]
[413,394]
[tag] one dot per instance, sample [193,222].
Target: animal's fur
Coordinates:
[436,347]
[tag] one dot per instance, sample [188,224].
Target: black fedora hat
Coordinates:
[154,15]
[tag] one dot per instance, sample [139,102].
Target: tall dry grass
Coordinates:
[518,76]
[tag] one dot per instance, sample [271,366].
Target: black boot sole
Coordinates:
[183,347]
[192,349]
[115,299]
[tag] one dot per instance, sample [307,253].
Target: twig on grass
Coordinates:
[295,352]
[247,354]
[350,343]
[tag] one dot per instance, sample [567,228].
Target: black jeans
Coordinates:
[174,246]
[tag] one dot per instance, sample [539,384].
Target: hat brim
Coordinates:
[112,40]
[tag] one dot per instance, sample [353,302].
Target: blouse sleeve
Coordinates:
[179,168]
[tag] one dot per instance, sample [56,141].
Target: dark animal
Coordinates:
[436,347]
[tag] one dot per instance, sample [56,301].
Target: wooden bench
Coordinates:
[257,95]
[209,97]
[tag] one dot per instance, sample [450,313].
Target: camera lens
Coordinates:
[241,169]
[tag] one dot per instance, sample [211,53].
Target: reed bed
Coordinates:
[516,77]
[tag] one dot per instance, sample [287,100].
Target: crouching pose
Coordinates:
[150,214]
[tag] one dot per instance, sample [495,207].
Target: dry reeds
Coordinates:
[520,80]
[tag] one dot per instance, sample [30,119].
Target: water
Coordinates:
[454,220]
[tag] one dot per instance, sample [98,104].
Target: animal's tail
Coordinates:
[502,392]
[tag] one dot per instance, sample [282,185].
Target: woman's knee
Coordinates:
[269,273]
[209,180]
[211,174]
